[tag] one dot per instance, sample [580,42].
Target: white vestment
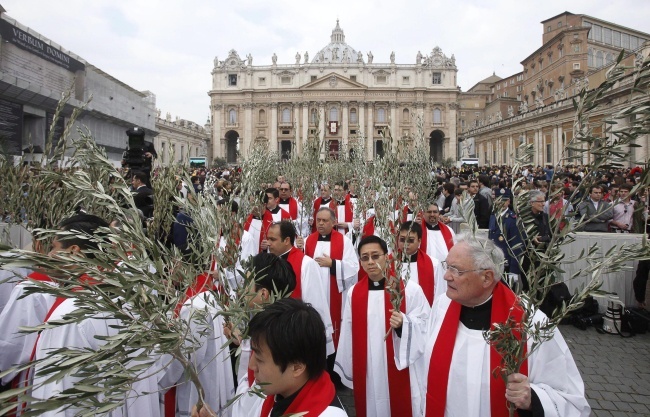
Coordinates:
[552,372]
[436,246]
[410,271]
[143,398]
[30,311]
[8,280]
[211,359]
[311,287]
[346,269]
[340,218]
[301,222]
[413,331]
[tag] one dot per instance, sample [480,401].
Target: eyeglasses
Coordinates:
[285,189]
[455,271]
[374,257]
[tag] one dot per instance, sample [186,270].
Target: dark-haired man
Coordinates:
[437,237]
[309,287]
[292,206]
[142,194]
[342,207]
[417,265]
[288,343]
[80,235]
[365,359]
[595,212]
[257,224]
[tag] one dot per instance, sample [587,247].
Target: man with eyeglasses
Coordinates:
[437,237]
[324,200]
[343,208]
[292,206]
[338,264]
[594,211]
[417,266]
[366,359]
[455,365]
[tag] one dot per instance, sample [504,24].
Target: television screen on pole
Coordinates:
[199,162]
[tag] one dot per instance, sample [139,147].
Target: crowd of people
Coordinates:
[337,312]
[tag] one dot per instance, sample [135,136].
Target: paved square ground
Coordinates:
[616,372]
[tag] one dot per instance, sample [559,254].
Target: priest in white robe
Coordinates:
[455,364]
[338,263]
[309,287]
[417,266]
[258,223]
[365,359]
[211,357]
[290,204]
[439,238]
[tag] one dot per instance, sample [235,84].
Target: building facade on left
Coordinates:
[35,71]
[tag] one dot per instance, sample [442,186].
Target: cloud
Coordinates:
[168,47]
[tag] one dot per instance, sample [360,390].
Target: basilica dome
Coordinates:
[337,51]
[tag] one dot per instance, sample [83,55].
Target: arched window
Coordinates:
[437,117]
[232,116]
[406,115]
[590,57]
[381,115]
[314,116]
[262,116]
[334,114]
[609,58]
[354,119]
[599,59]
[286,115]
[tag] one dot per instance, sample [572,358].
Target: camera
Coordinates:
[134,155]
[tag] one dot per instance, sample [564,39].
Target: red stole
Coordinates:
[404,214]
[503,301]
[293,208]
[369,227]
[317,204]
[267,221]
[201,284]
[399,383]
[37,276]
[295,258]
[426,279]
[348,210]
[446,235]
[336,302]
[314,398]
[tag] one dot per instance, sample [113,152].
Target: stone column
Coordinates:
[393,126]
[217,111]
[305,125]
[344,124]
[273,142]
[450,122]
[370,134]
[321,123]
[248,129]
[560,147]
[296,125]
[361,119]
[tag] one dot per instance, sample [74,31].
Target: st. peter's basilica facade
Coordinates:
[340,93]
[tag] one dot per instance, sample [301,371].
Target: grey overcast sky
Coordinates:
[168,47]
